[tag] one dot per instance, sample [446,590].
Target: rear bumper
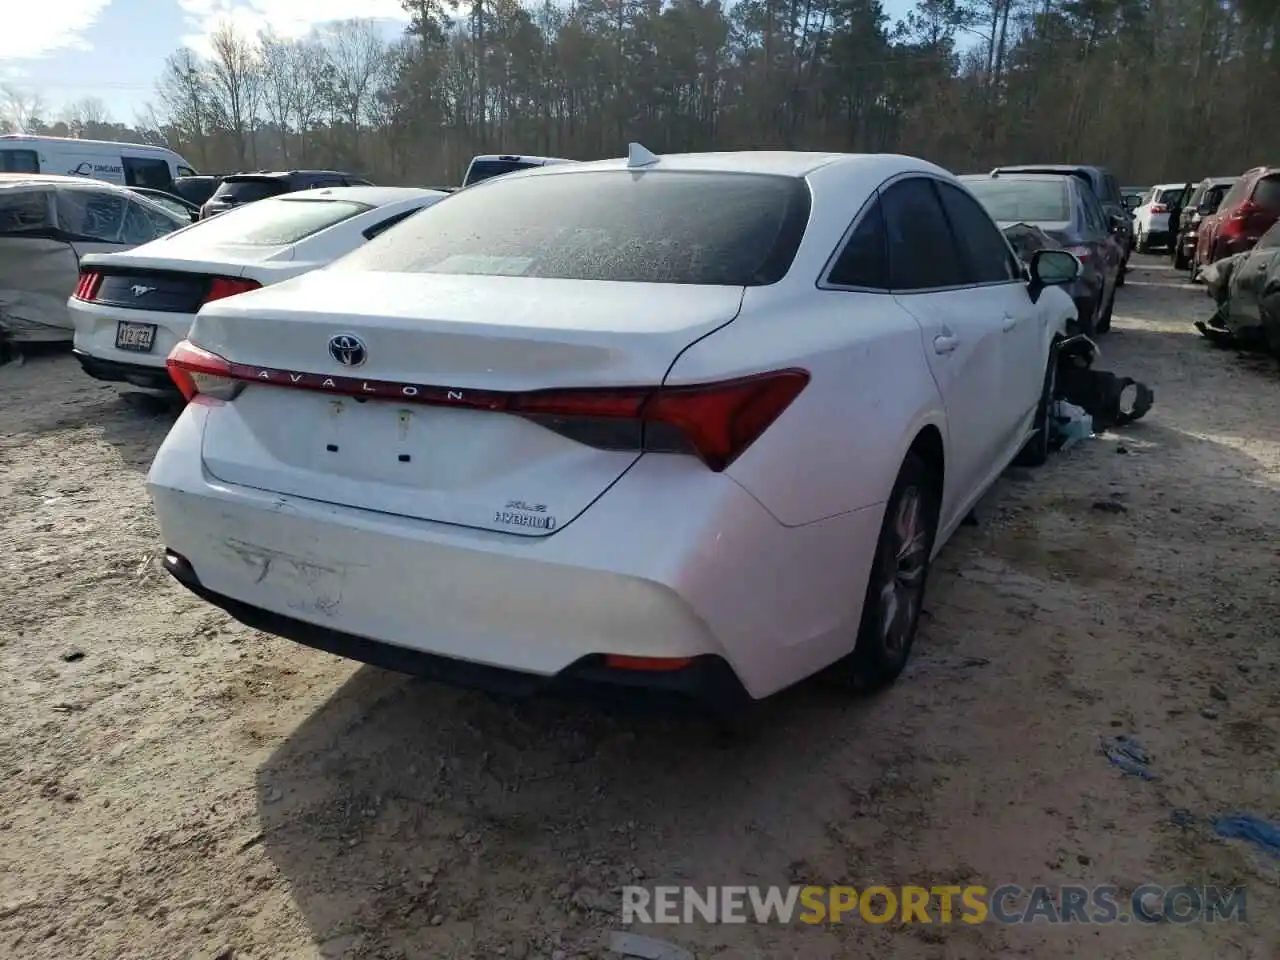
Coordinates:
[706,682]
[674,562]
[113,371]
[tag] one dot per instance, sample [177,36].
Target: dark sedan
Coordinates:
[1066,209]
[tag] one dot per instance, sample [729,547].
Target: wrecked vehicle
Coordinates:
[46,224]
[1246,288]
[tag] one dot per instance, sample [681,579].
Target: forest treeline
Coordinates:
[1155,89]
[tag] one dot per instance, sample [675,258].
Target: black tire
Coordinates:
[1124,268]
[1179,258]
[1104,318]
[1088,324]
[1036,450]
[1143,244]
[900,566]
[1193,268]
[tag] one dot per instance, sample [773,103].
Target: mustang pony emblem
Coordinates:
[139,290]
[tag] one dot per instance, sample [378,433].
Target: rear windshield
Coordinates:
[24,212]
[485,169]
[247,191]
[724,229]
[1169,196]
[1025,201]
[1267,193]
[274,222]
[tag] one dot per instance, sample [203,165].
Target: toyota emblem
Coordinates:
[347,350]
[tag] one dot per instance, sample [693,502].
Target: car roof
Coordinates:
[1044,177]
[373,196]
[1218,181]
[521,157]
[1169,186]
[58,180]
[787,163]
[1063,167]
[247,175]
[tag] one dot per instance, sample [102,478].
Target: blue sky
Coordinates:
[114,49]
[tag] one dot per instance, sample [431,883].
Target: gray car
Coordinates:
[1065,208]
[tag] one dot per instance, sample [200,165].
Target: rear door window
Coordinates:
[143,224]
[1094,217]
[1110,189]
[985,251]
[19,161]
[1233,196]
[1267,193]
[922,252]
[864,261]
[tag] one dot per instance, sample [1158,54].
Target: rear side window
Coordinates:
[487,169]
[986,254]
[864,261]
[247,191]
[24,212]
[91,215]
[1110,189]
[1169,196]
[655,226]
[1233,196]
[1267,193]
[1094,216]
[1214,197]
[19,161]
[922,253]
[275,222]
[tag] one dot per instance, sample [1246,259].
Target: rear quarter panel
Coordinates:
[840,444]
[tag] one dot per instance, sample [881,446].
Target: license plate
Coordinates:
[138,337]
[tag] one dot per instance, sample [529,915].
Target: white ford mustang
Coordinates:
[130,309]
[691,423]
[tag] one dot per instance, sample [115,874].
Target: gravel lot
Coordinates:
[173,785]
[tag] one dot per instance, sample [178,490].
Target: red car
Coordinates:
[1245,214]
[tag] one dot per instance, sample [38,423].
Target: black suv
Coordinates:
[241,188]
[1107,189]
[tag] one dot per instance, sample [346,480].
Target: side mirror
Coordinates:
[1051,268]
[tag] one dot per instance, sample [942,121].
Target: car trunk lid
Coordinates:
[356,433]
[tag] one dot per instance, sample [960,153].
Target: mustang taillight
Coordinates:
[716,421]
[87,287]
[222,287]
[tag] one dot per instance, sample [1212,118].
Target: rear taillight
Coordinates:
[716,421]
[87,288]
[222,287]
[203,377]
[1159,208]
[1083,253]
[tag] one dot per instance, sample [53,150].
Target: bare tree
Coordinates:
[235,73]
[356,54]
[23,108]
[83,117]
[183,90]
[279,85]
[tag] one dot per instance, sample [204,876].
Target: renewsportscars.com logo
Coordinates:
[1007,904]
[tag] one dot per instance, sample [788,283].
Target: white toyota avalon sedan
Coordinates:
[692,423]
[130,309]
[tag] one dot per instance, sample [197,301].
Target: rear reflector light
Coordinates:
[87,288]
[1084,253]
[716,422]
[222,287]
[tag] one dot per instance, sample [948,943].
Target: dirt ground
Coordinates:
[174,785]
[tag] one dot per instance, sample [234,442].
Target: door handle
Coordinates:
[1008,323]
[945,344]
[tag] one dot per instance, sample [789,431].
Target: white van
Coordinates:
[126,164]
